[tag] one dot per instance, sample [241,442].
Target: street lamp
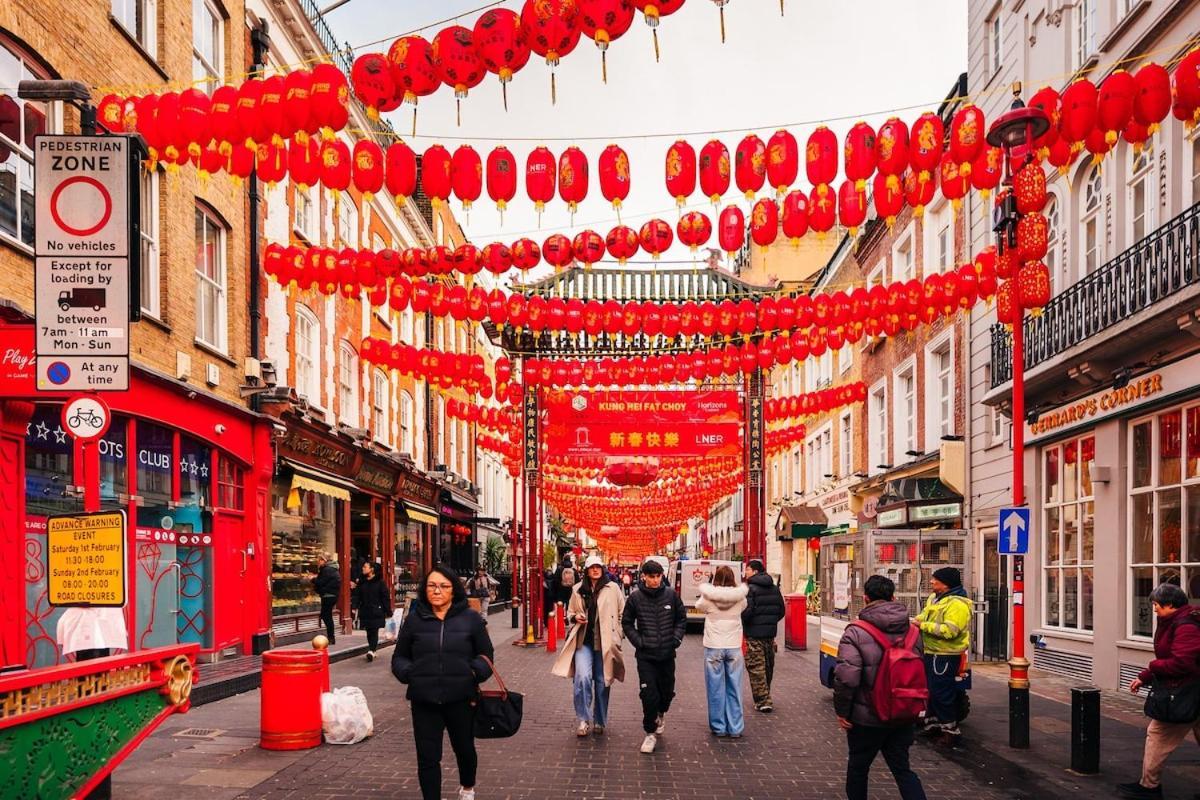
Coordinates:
[1015,131]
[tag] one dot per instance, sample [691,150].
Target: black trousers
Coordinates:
[657,680]
[327,604]
[429,721]
[372,636]
[865,743]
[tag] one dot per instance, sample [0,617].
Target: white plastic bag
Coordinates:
[391,628]
[345,716]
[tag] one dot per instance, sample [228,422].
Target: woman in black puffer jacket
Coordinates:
[440,655]
[374,605]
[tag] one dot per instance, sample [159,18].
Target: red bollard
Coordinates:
[551,636]
[562,621]
[291,699]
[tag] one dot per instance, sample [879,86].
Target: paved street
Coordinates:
[797,752]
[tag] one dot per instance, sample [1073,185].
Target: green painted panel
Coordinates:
[51,758]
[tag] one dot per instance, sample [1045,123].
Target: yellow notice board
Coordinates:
[86,554]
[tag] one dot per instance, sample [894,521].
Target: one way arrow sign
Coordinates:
[1014,531]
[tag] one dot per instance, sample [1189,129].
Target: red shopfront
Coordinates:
[192,473]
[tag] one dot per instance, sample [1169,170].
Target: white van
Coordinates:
[688,576]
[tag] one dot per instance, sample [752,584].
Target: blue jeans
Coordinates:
[723,679]
[591,695]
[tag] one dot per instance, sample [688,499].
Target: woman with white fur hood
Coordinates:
[722,602]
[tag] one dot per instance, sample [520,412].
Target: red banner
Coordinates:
[16,360]
[643,423]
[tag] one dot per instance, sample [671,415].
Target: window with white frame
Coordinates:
[904,434]
[877,276]
[151,300]
[1054,260]
[1091,235]
[139,18]
[348,384]
[308,355]
[819,372]
[939,392]
[1164,508]
[1128,5]
[440,455]
[347,221]
[877,428]
[995,33]
[1068,517]
[1142,203]
[993,419]
[305,215]
[1194,168]
[20,121]
[795,482]
[903,265]
[406,423]
[379,406]
[210,280]
[845,358]
[208,37]
[453,426]
[845,446]
[1085,31]
[775,484]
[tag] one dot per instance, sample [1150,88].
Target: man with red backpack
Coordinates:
[879,690]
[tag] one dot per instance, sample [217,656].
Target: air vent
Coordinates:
[1128,673]
[1074,665]
[199,733]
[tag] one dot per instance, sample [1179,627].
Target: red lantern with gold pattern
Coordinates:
[1007,262]
[852,206]
[467,259]
[1152,95]
[502,43]
[526,254]
[1136,134]
[750,165]
[270,111]
[412,69]
[731,230]
[783,161]
[794,216]
[374,86]
[436,173]
[954,182]
[455,59]
[466,175]
[1062,155]
[271,163]
[918,193]
[1048,100]
[714,170]
[1186,83]
[681,171]
[297,115]
[1032,237]
[860,155]
[335,165]
[367,168]
[1078,115]
[694,229]
[304,162]
[604,21]
[330,99]
[1029,188]
[541,174]
[572,177]
[967,130]
[1033,285]
[764,222]
[440,260]
[888,201]
[1096,143]
[588,247]
[501,177]
[622,243]
[822,211]
[655,237]
[613,167]
[400,171]
[552,28]
[820,159]
[925,147]
[110,112]
[194,110]
[224,123]
[415,261]
[987,171]
[1114,104]
[891,151]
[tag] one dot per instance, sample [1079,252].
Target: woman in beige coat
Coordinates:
[591,653]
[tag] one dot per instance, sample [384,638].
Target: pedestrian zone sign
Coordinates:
[1014,531]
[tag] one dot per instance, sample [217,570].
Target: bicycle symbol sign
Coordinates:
[86,417]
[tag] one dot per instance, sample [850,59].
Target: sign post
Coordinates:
[83,249]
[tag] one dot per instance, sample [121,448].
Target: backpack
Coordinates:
[568,577]
[900,694]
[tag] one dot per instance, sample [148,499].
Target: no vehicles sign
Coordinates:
[84,231]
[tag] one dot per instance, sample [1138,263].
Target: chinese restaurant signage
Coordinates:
[892,517]
[309,448]
[754,440]
[645,423]
[941,512]
[379,478]
[417,489]
[530,405]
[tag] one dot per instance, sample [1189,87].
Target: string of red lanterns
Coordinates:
[821,401]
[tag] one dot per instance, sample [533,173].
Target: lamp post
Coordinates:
[1015,132]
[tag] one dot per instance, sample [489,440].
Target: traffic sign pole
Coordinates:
[90,451]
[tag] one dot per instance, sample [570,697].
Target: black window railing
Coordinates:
[1158,266]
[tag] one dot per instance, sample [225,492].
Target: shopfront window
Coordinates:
[114,471]
[1164,509]
[193,524]
[231,478]
[157,587]
[1070,534]
[410,554]
[303,525]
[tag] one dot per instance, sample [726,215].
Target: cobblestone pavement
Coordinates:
[797,752]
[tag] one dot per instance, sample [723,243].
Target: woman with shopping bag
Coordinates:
[443,653]
[374,605]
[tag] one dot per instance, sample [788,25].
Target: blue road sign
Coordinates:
[1014,531]
[58,373]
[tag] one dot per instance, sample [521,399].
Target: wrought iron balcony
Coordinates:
[1157,267]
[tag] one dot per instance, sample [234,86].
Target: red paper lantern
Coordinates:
[1078,115]
[731,230]
[501,177]
[750,165]
[110,112]
[852,206]
[1032,237]
[224,122]
[794,216]
[783,161]
[455,59]
[304,162]
[415,261]
[653,10]
[614,175]
[820,160]
[466,175]
[622,243]
[714,170]
[681,171]
[604,21]
[764,222]
[1114,106]
[1096,143]
[1136,134]
[925,148]
[1062,155]
[987,170]
[1033,285]
[1029,188]
[335,165]
[1187,87]
[967,130]
[374,85]
[572,177]
[655,237]
[860,155]
[1048,100]
[918,193]
[955,182]
[270,111]
[526,254]
[891,151]
[822,211]
[367,168]
[194,110]
[467,259]
[400,171]
[557,250]
[552,28]
[888,201]
[436,170]
[502,43]
[329,98]
[411,62]
[297,114]
[540,177]
[1007,263]
[694,229]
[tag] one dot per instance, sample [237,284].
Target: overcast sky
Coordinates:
[821,61]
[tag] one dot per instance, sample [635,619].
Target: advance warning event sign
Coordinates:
[86,555]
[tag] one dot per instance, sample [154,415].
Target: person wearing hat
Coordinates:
[945,625]
[591,653]
[654,621]
[760,623]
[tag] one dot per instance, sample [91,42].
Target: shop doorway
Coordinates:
[992,600]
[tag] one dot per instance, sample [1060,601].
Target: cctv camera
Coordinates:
[219,428]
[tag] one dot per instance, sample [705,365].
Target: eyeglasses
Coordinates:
[440,587]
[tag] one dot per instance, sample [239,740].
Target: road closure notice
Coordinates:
[87,559]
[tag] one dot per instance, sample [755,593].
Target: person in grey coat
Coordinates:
[859,656]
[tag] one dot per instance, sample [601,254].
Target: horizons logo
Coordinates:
[711,406]
[579,402]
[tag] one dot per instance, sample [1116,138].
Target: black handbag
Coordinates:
[1174,704]
[498,712]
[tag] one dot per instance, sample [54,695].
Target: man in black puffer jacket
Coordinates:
[760,622]
[654,620]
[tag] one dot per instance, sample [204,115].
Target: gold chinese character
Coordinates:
[671,439]
[653,440]
[616,439]
[635,439]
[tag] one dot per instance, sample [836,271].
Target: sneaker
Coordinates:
[660,724]
[717,733]
[598,730]
[766,707]
[584,729]
[735,736]
[649,742]
[370,655]
[466,794]
[1136,790]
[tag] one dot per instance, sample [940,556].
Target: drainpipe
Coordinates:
[260,42]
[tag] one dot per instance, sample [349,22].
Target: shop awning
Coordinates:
[418,513]
[319,486]
[800,522]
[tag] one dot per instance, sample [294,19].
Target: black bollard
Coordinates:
[1085,730]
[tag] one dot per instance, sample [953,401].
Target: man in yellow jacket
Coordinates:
[945,625]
